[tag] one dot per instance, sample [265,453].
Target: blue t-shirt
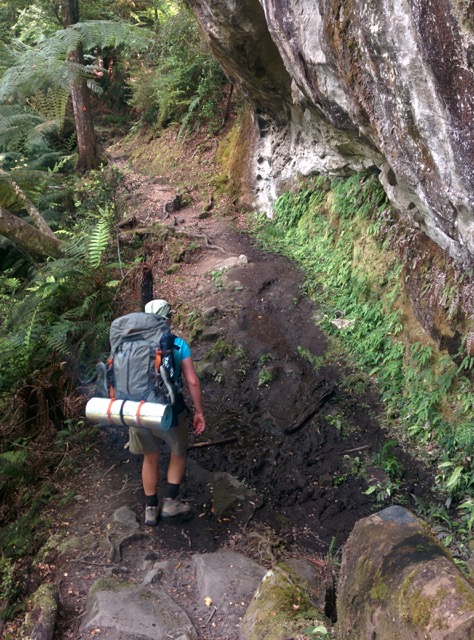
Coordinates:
[181,353]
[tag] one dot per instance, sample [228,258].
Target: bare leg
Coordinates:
[176,468]
[150,473]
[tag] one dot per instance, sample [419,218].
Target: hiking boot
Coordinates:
[174,508]
[151,516]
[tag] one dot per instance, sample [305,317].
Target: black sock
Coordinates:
[172,490]
[151,501]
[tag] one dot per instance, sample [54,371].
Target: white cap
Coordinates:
[158,307]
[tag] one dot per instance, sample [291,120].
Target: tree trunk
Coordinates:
[34,243]
[30,207]
[89,157]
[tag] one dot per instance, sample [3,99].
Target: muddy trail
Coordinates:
[307,435]
[299,432]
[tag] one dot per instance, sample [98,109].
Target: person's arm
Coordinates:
[187,367]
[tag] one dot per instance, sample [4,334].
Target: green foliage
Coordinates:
[6,577]
[388,461]
[337,232]
[180,81]
[54,328]
[33,68]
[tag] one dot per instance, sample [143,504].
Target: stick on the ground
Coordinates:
[212,443]
[309,413]
[364,446]
[212,615]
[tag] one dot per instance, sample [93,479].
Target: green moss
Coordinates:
[219,350]
[266,376]
[233,154]
[110,584]
[59,544]
[243,362]
[280,609]
[380,590]
[191,321]
[43,605]
[363,570]
[45,598]
[417,608]
[466,591]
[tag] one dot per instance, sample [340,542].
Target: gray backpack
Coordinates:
[141,363]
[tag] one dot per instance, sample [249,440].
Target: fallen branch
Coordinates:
[94,564]
[365,446]
[211,616]
[309,413]
[117,464]
[212,443]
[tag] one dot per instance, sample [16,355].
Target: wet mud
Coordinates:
[308,429]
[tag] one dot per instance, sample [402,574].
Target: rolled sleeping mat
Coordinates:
[127,413]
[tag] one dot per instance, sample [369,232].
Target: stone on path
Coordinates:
[126,517]
[135,613]
[229,496]
[398,583]
[228,579]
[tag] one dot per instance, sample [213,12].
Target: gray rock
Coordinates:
[126,517]
[341,87]
[398,583]
[159,571]
[233,261]
[229,579]
[229,496]
[135,613]
[212,333]
[209,312]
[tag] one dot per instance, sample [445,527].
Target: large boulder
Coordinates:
[398,583]
[340,86]
[131,612]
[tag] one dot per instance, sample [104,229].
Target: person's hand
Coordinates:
[199,424]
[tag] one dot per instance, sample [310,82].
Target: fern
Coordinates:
[98,242]
[51,105]
[33,67]
[16,123]
[12,463]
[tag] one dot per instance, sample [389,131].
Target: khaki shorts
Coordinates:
[143,440]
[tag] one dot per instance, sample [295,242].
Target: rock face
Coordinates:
[397,583]
[340,86]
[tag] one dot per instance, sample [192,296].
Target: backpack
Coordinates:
[141,364]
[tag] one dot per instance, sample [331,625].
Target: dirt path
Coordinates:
[306,435]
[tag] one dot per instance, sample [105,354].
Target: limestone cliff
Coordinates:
[343,85]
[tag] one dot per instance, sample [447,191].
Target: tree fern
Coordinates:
[16,125]
[31,68]
[32,184]
[51,105]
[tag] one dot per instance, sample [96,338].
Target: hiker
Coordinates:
[144,441]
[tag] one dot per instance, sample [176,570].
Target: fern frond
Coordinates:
[10,461]
[31,68]
[104,34]
[78,313]
[32,333]
[51,104]
[58,335]
[15,124]
[98,241]
[31,182]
